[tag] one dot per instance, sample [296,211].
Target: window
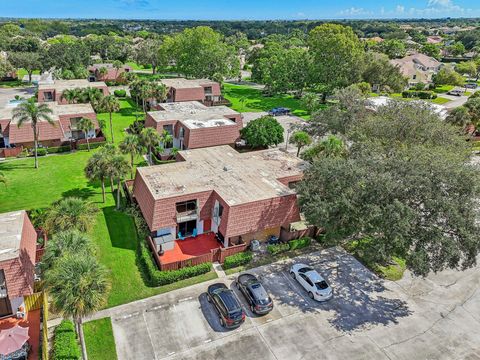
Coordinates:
[220,210]
[208,90]
[292,184]
[47,96]
[186,206]
[3,285]
[181,133]
[169,129]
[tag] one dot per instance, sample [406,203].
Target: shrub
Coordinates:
[92,145]
[277,249]
[120,93]
[65,345]
[239,259]
[299,243]
[40,152]
[419,94]
[59,149]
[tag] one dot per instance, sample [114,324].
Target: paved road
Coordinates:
[433,318]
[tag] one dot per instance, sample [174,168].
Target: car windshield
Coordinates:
[305,270]
[235,314]
[321,285]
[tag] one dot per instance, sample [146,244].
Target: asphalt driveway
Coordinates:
[433,318]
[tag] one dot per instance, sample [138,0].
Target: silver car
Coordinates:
[317,287]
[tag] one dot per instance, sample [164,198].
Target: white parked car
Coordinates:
[316,286]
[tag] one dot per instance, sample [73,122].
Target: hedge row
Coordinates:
[299,243]
[159,278]
[419,94]
[237,260]
[277,249]
[59,149]
[155,277]
[92,145]
[65,345]
[291,245]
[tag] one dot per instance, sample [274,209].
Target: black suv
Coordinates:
[227,305]
[258,299]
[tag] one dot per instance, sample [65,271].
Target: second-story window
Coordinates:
[186,206]
[208,90]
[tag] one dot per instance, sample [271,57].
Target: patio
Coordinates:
[189,248]
[32,321]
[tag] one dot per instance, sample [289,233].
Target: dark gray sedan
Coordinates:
[252,289]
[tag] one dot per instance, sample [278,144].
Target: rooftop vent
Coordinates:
[227,168]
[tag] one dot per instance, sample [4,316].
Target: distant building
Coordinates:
[112,73]
[62,132]
[417,68]
[206,91]
[434,39]
[49,91]
[375,102]
[18,240]
[194,125]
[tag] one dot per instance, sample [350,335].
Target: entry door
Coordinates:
[186,228]
[5,308]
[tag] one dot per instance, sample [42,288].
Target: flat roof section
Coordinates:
[182,83]
[57,110]
[61,85]
[237,177]
[194,114]
[11,227]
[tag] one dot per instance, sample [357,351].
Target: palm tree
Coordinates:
[131,145]
[166,138]
[110,104]
[117,64]
[157,91]
[30,111]
[71,95]
[65,242]
[149,138]
[85,125]
[78,286]
[98,166]
[70,213]
[120,169]
[301,139]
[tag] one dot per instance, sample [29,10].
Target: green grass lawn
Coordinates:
[99,339]
[245,99]
[443,89]
[136,66]
[440,100]
[121,119]
[114,233]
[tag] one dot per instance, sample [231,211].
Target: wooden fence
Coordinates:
[44,326]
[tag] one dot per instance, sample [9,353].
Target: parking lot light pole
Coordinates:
[288,135]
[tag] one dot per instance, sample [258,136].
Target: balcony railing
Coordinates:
[187,216]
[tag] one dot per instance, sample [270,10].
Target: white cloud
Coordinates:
[354,11]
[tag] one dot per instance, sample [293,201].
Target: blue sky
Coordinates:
[240,9]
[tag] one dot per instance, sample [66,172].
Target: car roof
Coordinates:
[258,290]
[314,276]
[228,298]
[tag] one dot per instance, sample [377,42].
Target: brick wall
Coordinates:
[145,199]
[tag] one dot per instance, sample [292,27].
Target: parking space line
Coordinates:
[149,336]
[290,281]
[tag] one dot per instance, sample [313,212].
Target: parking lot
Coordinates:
[434,318]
